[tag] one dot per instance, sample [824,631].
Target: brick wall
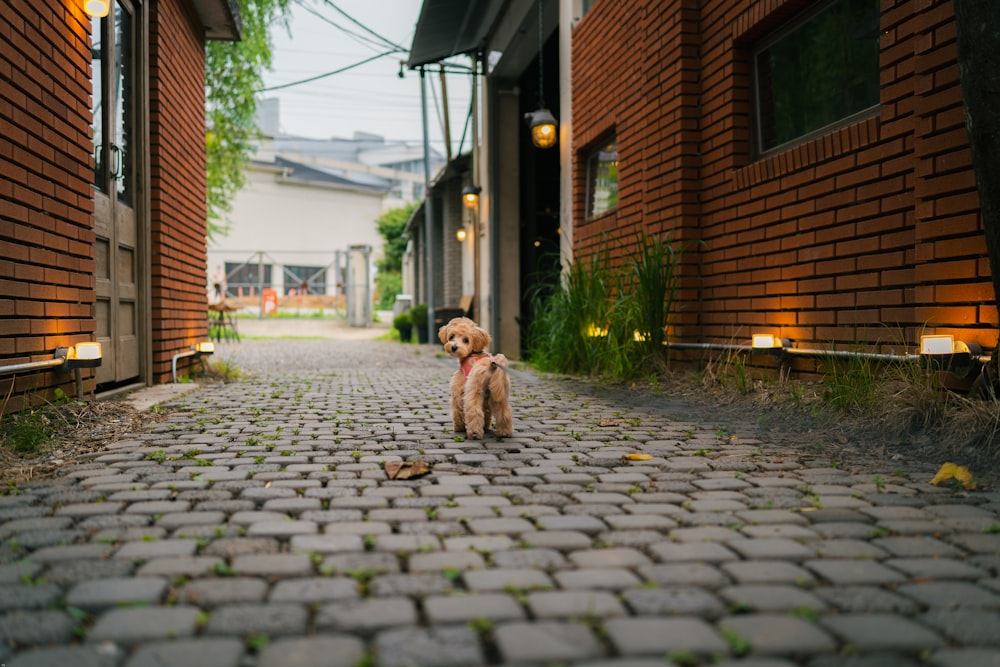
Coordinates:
[46,206]
[179,214]
[47,239]
[866,234]
[453,217]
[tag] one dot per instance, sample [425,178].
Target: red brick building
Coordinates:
[861,230]
[102,187]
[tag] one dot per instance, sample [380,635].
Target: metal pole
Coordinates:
[260,283]
[477,212]
[447,120]
[428,211]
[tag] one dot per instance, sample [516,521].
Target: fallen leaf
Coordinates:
[637,457]
[405,469]
[951,471]
[608,422]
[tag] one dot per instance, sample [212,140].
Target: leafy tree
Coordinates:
[233,76]
[390,226]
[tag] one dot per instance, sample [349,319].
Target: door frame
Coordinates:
[141,204]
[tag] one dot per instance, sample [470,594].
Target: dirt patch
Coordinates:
[38,444]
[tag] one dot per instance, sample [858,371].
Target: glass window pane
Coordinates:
[602,179]
[123,97]
[97,103]
[820,72]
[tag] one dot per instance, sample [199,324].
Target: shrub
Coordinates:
[418,314]
[403,323]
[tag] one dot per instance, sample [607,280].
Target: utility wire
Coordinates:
[353,20]
[361,39]
[323,76]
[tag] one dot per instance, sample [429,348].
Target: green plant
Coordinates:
[851,383]
[682,658]
[652,283]
[418,315]
[606,318]
[403,323]
[256,641]
[738,645]
[567,323]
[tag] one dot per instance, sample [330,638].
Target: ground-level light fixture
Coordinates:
[766,341]
[198,350]
[943,352]
[470,196]
[82,355]
[770,344]
[97,8]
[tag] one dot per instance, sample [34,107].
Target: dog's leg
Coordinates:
[500,400]
[505,422]
[457,405]
[473,403]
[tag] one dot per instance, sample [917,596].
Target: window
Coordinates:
[247,278]
[602,179]
[305,280]
[819,72]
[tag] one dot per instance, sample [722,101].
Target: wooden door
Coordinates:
[117,142]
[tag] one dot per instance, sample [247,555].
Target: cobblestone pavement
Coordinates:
[256,527]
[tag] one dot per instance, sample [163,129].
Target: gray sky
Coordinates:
[369,98]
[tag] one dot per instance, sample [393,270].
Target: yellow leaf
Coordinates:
[949,471]
[637,457]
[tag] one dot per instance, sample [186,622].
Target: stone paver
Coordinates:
[294,548]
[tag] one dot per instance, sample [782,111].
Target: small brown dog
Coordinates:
[480,388]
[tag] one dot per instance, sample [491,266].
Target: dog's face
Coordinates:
[461,337]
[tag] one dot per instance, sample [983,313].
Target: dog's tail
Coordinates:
[498,386]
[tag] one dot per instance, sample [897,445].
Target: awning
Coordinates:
[221,19]
[451,27]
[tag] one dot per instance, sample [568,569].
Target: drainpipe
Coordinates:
[491,220]
[476,213]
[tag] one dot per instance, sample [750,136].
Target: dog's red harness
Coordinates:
[467,363]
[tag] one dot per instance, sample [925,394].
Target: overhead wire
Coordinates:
[325,75]
[386,41]
[394,48]
[361,39]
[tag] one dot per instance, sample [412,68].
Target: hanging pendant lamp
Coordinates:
[541,122]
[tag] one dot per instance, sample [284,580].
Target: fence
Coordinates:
[260,282]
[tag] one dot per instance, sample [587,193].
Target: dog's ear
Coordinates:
[443,334]
[481,339]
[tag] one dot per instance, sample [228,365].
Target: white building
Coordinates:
[308,205]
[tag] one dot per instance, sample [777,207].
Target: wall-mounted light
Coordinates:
[541,122]
[97,8]
[83,355]
[470,196]
[766,341]
[943,352]
[770,344]
[461,234]
[204,347]
[198,350]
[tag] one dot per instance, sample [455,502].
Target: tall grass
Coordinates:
[560,337]
[605,320]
